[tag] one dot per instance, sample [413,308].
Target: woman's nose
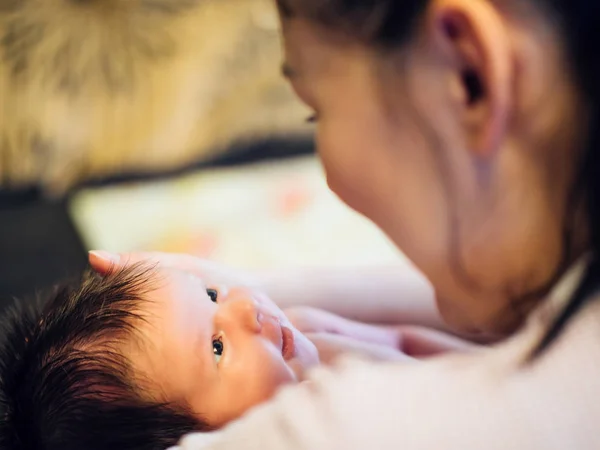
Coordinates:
[238,311]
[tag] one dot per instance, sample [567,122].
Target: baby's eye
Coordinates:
[218,349]
[213,294]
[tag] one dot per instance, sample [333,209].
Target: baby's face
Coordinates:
[220,357]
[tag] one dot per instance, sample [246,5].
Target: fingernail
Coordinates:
[112,258]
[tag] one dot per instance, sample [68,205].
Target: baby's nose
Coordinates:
[240,311]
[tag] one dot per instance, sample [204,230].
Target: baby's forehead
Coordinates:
[173,279]
[177,314]
[176,293]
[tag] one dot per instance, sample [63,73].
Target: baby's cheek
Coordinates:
[256,381]
[273,376]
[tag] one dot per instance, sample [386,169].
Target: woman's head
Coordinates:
[460,127]
[138,358]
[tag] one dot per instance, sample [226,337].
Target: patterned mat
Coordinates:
[275,213]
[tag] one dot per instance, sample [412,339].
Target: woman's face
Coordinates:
[453,145]
[220,354]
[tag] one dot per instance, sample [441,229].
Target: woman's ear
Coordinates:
[471,36]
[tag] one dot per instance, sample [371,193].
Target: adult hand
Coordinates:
[210,272]
[313,320]
[331,346]
[391,294]
[415,341]
[423,342]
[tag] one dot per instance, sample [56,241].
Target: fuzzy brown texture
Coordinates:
[95,88]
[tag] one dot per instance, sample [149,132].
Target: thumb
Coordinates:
[422,342]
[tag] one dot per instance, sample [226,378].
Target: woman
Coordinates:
[467,130]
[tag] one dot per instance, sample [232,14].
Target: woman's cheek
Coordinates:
[337,173]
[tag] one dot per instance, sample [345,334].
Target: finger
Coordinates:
[331,346]
[423,342]
[311,320]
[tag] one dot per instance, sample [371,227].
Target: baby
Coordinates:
[139,357]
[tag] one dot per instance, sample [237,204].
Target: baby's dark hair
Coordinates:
[64,383]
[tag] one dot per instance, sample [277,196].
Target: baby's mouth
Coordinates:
[272,328]
[288,349]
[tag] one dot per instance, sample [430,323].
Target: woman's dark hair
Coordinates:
[389,23]
[64,382]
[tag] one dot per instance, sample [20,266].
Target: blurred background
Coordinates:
[130,125]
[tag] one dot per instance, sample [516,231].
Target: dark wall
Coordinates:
[38,244]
